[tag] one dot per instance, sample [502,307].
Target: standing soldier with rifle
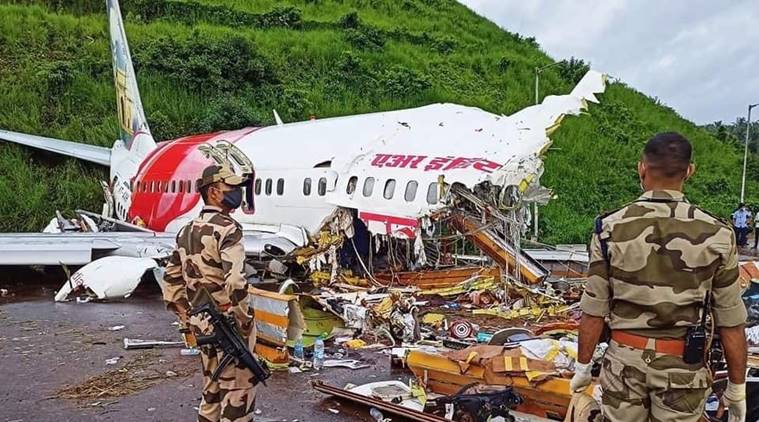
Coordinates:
[657,266]
[207,266]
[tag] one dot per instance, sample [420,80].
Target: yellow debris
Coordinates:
[481,283]
[527,312]
[435,320]
[355,343]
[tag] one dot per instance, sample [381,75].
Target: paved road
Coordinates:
[45,346]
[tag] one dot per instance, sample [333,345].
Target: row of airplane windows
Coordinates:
[368,188]
[173,186]
[186,186]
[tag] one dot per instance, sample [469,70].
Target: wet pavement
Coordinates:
[46,346]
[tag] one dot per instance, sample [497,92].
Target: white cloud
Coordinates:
[698,56]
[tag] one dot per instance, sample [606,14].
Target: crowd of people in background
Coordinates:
[743,223]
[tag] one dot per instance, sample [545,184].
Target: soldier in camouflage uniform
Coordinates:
[210,256]
[652,263]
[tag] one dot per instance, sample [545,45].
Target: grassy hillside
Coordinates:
[206,65]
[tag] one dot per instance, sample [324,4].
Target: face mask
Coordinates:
[233,198]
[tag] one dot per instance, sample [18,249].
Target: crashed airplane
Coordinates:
[405,179]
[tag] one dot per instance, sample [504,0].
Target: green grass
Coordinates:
[206,65]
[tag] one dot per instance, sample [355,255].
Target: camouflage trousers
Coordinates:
[233,397]
[642,385]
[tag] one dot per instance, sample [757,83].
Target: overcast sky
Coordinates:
[701,57]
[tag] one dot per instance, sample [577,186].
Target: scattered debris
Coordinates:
[364,397]
[113,361]
[347,363]
[136,375]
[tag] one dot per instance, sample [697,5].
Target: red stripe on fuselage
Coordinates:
[157,204]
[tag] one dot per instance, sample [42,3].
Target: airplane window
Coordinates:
[432,193]
[411,190]
[280,186]
[173,186]
[322,186]
[352,182]
[181,186]
[307,186]
[151,186]
[368,186]
[189,186]
[389,189]
[258,186]
[268,186]
[166,186]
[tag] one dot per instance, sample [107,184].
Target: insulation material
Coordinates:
[561,353]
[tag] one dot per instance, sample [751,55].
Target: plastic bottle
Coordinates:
[376,414]
[712,403]
[319,352]
[298,349]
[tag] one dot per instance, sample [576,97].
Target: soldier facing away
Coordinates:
[652,265]
[209,257]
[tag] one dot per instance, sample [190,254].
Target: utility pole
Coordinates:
[745,150]
[538,71]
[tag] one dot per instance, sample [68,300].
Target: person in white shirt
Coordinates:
[742,223]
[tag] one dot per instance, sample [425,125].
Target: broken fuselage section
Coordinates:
[441,194]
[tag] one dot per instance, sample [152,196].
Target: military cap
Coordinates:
[216,173]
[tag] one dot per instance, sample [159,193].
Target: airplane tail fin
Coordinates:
[133,127]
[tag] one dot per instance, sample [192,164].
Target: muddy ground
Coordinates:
[47,346]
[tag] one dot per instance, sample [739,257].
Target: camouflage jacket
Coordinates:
[662,256]
[209,255]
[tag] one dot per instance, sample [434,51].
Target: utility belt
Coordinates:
[692,348]
[667,346]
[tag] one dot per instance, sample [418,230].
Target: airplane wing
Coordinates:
[92,153]
[83,248]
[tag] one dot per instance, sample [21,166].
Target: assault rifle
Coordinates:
[226,337]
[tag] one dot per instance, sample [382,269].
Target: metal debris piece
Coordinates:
[395,409]
[110,277]
[133,343]
[345,363]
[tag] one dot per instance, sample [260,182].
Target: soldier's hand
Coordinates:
[735,400]
[582,377]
